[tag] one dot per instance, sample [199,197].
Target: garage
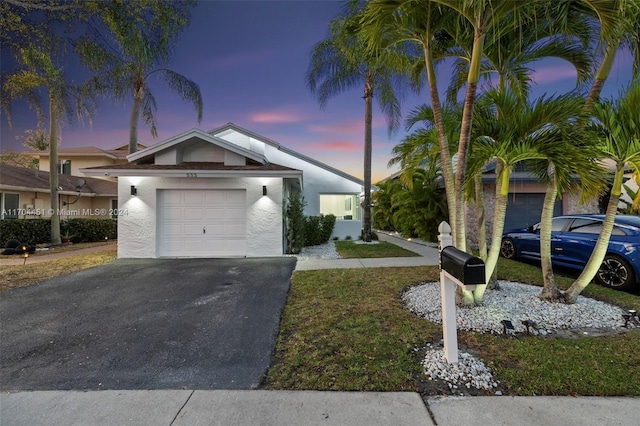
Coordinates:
[524,209]
[202,223]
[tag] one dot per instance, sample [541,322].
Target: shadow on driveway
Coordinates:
[145,324]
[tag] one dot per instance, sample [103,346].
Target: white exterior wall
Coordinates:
[316,181]
[137,225]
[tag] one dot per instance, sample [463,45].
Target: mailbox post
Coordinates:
[457,268]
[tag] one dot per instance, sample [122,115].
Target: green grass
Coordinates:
[351,250]
[346,329]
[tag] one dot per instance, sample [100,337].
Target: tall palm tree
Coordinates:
[340,63]
[37,72]
[617,124]
[139,52]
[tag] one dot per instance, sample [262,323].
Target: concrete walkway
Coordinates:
[429,256]
[260,407]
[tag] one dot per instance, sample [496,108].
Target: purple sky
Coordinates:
[250,60]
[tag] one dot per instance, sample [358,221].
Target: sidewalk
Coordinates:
[308,408]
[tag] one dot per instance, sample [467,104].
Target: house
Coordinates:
[25,194]
[222,193]
[71,160]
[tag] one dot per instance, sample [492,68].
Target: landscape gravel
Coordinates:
[322,251]
[514,302]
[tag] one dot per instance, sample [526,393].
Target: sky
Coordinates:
[250,59]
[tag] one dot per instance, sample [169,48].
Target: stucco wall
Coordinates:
[316,181]
[137,233]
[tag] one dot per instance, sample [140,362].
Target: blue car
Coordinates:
[573,238]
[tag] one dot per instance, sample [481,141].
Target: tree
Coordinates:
[38,72]
[617,125]
[142,49]
[340,63]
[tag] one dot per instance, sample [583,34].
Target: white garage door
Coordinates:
[202,223]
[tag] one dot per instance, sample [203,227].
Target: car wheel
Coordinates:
[615,272]
[508,248]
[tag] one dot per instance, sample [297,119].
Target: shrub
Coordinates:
[38,231]
[294,223]
[318,229]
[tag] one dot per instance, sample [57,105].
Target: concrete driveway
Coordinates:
[145,324]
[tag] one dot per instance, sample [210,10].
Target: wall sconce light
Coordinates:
[264,189]
[134,190]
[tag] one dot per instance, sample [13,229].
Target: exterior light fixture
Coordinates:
[134,190]
[530,324]
[507,326]
[264,189]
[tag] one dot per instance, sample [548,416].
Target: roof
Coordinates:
[232,126]
[119,152]
[196,133]
[203,169]
[24,179]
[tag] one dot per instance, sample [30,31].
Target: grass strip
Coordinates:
[352,250]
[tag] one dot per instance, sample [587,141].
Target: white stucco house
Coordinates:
[222,194]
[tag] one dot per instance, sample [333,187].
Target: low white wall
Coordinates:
[347,228]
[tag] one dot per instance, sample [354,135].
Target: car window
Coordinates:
[586,226]
[559,223]
[618,231]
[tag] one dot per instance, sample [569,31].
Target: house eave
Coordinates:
[192,173]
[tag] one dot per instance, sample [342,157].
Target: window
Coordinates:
[559,224]
[10,204]
[64,167]
[586,226]
[343,206]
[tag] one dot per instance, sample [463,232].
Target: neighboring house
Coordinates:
[222,193]
[71,160]
[25,194]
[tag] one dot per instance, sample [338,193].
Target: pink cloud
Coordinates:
[274,117]
[343,146]
[350,126]
[553,74]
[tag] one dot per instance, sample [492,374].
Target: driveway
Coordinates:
[145,324]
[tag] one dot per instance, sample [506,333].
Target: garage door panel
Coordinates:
[184,214]
[193,197]
[214,213]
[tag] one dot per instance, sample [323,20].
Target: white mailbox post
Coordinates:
[457,268]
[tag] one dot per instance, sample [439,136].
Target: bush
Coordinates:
[318,229]
[38,231]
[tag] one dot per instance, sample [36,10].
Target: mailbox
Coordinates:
[467,269]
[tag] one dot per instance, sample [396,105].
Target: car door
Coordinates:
[574,245]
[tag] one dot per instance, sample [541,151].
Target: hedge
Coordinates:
[318,229]
[38,231]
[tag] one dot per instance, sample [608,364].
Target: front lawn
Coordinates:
[347,330]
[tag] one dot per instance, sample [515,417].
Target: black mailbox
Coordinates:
[467,269]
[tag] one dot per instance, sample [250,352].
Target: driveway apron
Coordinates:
[145,324]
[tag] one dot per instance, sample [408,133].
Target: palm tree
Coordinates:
[38,72]
[419,24]
[341,63]
[519,133]
[618,128]
[140,51]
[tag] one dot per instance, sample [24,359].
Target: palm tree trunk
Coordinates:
[465,136]
[133,121]
[499,213]
[53,168]
[603,73]
[368,101]
[600,250]
[550,291]
[445,154]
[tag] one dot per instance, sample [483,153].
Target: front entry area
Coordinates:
[202,223]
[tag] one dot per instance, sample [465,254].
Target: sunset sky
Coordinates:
[250,60]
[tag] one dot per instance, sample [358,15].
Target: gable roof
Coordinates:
[270,142]
[24,179]
[190,134]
